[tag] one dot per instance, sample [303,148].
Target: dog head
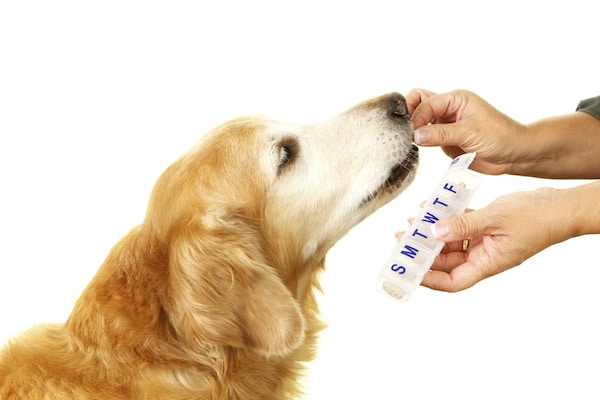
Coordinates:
[250,210]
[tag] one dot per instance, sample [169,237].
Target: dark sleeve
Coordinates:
[590,106]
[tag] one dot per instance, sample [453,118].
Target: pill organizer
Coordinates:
[416,251]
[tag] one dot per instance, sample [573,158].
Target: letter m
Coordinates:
[409,251]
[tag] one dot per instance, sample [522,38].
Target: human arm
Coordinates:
[565,146]
[510,230]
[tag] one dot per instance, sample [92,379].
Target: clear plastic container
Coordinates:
[415,253]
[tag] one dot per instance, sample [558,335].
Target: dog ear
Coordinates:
[223,292]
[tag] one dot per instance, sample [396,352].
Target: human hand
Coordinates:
[508,231]
[462,122]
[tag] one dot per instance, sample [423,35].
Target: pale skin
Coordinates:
[515,226]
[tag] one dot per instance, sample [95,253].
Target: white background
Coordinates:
[96,100]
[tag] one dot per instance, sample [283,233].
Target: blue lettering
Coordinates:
[449,187]
[398,268]
[429,217]
[438,201]
[417,233]
[410,251]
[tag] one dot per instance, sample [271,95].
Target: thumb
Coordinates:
[438,135]
[460,227]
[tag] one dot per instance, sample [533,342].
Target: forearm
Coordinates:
[581,208]
[566,146]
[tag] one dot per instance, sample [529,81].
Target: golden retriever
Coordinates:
[212,296]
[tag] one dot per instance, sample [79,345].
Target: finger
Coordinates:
[462,277]
[437,280]
[415,97]
[443,107]
[453,247]
[446,262]
[459,227]
[451,137]
[463,246]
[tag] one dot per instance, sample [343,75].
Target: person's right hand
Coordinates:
[462,122]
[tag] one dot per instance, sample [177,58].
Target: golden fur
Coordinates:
[212,296]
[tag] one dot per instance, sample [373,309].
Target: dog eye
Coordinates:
[288,151]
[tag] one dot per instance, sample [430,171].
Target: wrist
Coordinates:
[534,151]
[581,209]
[558,147]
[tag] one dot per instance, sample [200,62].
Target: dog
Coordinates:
[212,296]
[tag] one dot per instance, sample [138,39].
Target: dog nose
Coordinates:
[398,107]
[393,104]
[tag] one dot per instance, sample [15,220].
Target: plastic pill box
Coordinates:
[416,251]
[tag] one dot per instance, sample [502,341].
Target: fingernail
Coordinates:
[421,135]
[440,230]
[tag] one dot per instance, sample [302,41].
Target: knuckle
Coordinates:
[462,227]
[443,135]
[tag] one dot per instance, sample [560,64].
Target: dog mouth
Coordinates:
[401,171]
[398,174]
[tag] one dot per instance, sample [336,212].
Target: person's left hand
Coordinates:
[502,235]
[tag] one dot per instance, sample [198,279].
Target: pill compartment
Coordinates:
[398,280]
[451,187]
[406,271]
[394,289]
[413,252]
[466,179]
[402,273]
[444,206]
[420,230]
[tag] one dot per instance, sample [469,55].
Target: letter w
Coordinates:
[429,217]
